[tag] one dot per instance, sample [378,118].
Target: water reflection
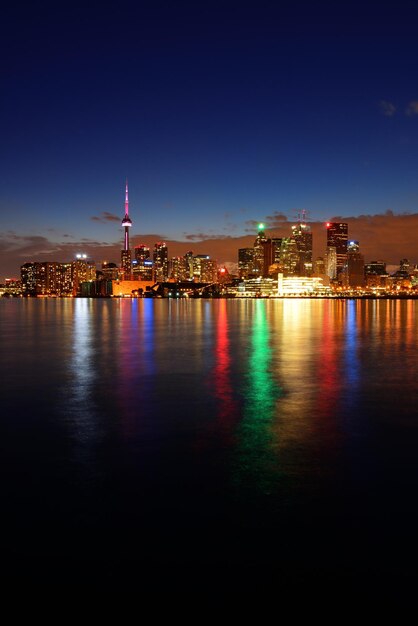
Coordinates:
[222,373]
[257,466]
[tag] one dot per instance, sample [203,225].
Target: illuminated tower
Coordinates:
[125,255]
[160,262]
[301,233]
[337,235]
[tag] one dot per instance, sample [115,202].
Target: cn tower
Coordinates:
[126,260]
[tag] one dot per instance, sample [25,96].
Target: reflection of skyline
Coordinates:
[256,462]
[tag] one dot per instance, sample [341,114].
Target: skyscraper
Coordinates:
[301,233]
[126,255]
[259,245]
[337,236]
[355,265]
[142,268]
[160,262]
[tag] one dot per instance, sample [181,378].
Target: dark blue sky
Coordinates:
[218,114]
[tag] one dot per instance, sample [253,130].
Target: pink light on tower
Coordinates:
[126,222]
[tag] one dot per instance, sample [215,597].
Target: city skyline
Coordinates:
[218,118]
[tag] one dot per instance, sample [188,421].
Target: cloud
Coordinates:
[388,235]
[387,108]
[412,108]
[203,236]
[105,216]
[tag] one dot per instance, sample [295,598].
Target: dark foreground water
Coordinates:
[181,442]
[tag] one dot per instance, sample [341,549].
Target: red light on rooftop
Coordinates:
[328,224]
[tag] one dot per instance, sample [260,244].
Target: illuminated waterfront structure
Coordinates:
[337,236]
[126,255]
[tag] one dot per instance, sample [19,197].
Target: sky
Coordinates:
[220,115]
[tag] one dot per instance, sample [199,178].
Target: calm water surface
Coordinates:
[272,438]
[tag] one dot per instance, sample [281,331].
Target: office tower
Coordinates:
[64,282]
[126,255]
[375,268]
[268,257]
[188,257]
[337,236]
[404,266]
[277,243]
[245,262]
[355,265]
[331,262]
[319,267]
[28,278]
[179,268]
[142,266]
[160,256]
[259,244]
[289,257]
[109,271]
[301,233]
[205,270]
[82,270]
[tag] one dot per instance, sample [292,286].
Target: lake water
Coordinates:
[160,440]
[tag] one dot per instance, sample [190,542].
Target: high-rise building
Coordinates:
[337,236]
[245,262]
[205,270]
[179,269]
[142,265]
[355,265]
[259,251]
[160,256]
[289,257]
[82,270]
[126,255]
[301,233]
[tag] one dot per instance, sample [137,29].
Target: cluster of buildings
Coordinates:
[289,261]
[278,266]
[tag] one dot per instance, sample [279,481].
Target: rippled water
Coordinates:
[235,437]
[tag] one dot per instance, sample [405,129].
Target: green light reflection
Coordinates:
[257,465]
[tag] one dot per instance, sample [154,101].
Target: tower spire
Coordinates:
[126,199]
[126,252]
